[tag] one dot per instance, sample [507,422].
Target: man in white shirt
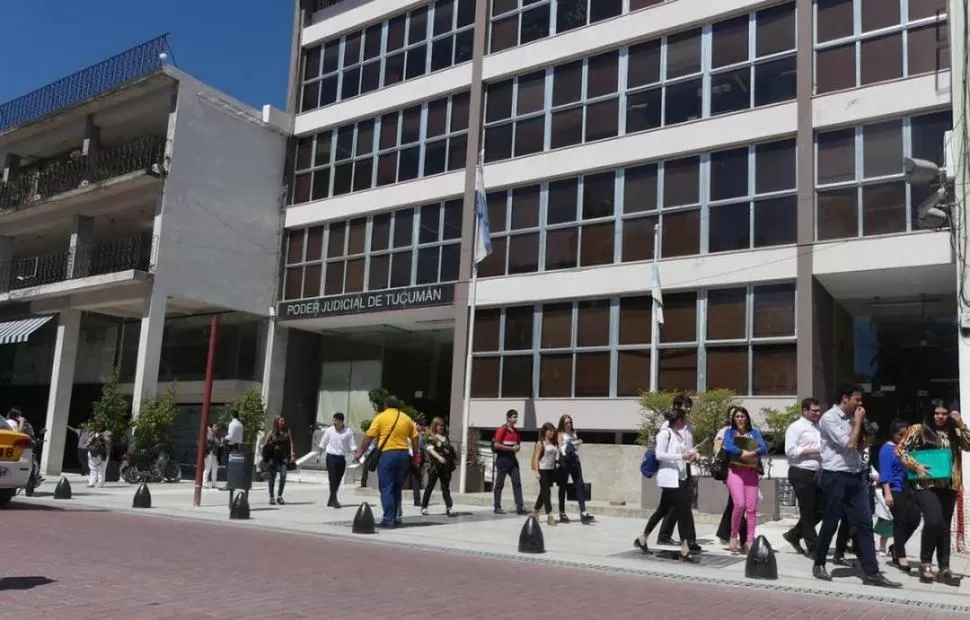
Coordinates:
[803,445]
[234,434]
[337,443]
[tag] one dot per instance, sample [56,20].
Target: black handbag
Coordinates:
[719,466]
[375,456]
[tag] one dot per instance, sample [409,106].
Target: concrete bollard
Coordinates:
[143,497]
[63,489]
[364,520]
[530,538]
[761,562]
[239,509]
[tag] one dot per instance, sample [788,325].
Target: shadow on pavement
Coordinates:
[23,583]
[24,505]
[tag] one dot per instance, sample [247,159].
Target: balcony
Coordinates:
[95,259]
[88,83]
[32,187]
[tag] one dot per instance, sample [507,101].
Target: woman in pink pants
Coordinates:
[745,447]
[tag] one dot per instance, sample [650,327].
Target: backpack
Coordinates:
[650,465]
[97,447]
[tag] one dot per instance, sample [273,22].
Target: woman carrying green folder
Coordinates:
[933,451]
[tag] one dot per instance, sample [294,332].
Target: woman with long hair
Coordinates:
[442,461]
[937,491]
[897,494]
[745,447]
[570,467]
[278,451]
[674,449]
[544,461]
[724,527]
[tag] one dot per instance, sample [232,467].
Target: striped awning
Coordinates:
[12,332]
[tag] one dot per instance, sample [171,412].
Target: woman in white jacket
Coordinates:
[674,449]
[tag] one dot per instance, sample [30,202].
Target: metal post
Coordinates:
[654,325]
[206,404]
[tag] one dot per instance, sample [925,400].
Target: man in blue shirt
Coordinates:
[845,491]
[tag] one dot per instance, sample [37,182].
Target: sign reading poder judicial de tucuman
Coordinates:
[361,303]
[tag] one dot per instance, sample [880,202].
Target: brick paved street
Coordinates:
[86,564]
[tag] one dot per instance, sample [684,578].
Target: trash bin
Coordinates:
[239,471]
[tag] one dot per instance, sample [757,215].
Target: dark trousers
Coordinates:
[845,532]
[811,505]
[336,466]
[507,466]
[434,475]
[670,519]
[415,475]
[547,478]
[906,518]
[277,469]
[847,495]
[679,500]
[572,469]
[82,457]
[937,506]
[724,527]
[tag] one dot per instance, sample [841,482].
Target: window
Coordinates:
[885,44]
[516,23]
[387,250]
[750,341]
[383,151]
[872,198]
[423,40]
[753,197]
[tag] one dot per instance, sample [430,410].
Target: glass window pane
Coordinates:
[498,103]
[293,288]
[635,318]
[294,246]
[487,327]
[529,136]
[372,41]
[450,259]
[730,228]
[333,283]
[638,239]
[774,370]
[775,30]
[570,14]
[557,326]
[731,91]
[452,225]
[836,156]
[563,201]
[418,25]
[882,59]
[523,253]
[602,120]
[775,221]
[882,149]
[727,314]
[684,101]
[430,221]
[644,64]
[640,189]
[505,34]
[593,323]
[596,245]
[729,42]
[311,62]
[878,14]
[356,235]
[729,174]
[643,110]
[928,49]
[727,369]
[379,272]
[534,24]
[525,207]
[442,51]
[684,53]
[352,49]
[835,69]
[680,318]
[394,69]
[834,19]
[380,238]
[598,190]
[774,311]
[403,228]
[532,92]
[592,374]
[389,124]
[401,269]
[681,181]
[567,83]
[603,74]
[427,271]
[337,243]
[556,375]
[314,244]
[485,377]
[604,9]
[681,234]
[775,167]
[632,372]
[884,208]
[518,327]
[677,370]
[838,215]
[497,203]
[775,81]
[459,111]
[919,9]
[498,142]
[437,123]
[517,376]
[562,249]
[926,134]
[395,33]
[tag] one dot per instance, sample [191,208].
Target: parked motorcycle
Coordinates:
[137,468]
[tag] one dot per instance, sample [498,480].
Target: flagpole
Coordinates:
[467,395]
[654,324]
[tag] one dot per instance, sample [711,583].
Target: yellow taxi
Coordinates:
[16,461]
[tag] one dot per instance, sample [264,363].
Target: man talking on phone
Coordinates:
[844,490]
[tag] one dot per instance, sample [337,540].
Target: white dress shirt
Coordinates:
[338,443]
[669,450]
[802,435]
[234,434]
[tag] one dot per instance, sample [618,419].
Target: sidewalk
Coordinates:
[606,546]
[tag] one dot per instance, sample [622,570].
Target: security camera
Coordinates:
[920,171]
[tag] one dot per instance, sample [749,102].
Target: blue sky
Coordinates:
[241,47]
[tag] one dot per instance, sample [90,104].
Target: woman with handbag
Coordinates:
[720,462]
[278,453]
[674,450]
[745,447]
[545,460]
[442,461]
[571,467]
[942,434]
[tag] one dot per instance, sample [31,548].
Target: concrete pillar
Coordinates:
[274,367]
[149,349]
[11,165]
[6,263]
[59,398]
[92,137]
[79,259]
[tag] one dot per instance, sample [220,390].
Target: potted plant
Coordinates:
[776,424]
[251,412]
[152,429]
[113,411]
[475,473]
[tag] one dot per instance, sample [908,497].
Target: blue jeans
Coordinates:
[274,469]
[847,495]
[392,470]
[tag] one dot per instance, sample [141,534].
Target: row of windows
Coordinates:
[860,187]
[742,339]
[675,79]
[419,141]
[423,40]
[517,22]
[387,250]
[861,42]
[747,194]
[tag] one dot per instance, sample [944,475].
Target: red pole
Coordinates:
[206,403]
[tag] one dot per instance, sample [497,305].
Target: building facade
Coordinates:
[763,139]
[135,202]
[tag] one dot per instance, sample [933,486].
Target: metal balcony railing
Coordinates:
[97,79]
[60,176]
[111,256]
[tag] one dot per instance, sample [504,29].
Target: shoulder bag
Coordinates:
[374,457]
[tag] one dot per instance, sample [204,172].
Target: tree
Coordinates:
[776,423]
[112,410]
[707,416]
[153,426]
[251,412]
[378,397]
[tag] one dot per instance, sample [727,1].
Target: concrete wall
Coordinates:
[220,217]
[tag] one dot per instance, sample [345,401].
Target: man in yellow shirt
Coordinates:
[391,429]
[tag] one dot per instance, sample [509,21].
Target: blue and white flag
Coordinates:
[658,298]
[483,240]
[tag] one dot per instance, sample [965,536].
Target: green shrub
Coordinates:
[153,426]
[251,412]
[112,410]
[707,416]
[365,424]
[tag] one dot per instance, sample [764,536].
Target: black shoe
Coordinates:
[668,540]
[498,511]
[329,503]
[839,559]
[586,519]
[792,539]
[417,503]
[386,526]
[642,546]
[279,500]
[336,504]
[688,557]
[947,577]
[272,502]
[522,512]
[694,548]
[819,572]
[879,580]
[563,518]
